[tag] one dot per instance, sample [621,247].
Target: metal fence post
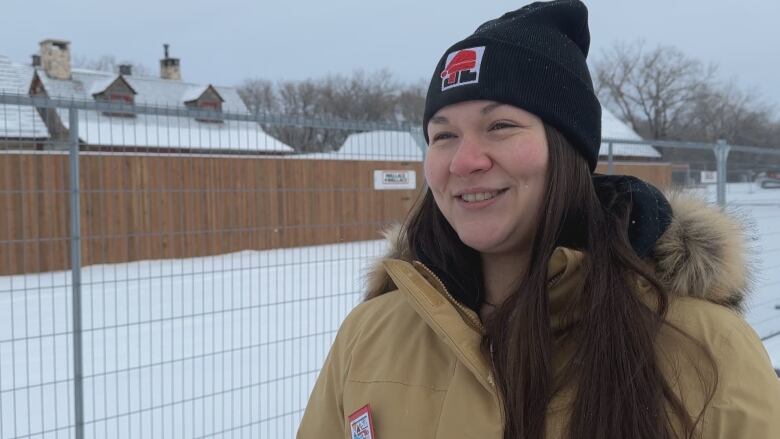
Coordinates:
[75,254]
[721,155]
[610,161]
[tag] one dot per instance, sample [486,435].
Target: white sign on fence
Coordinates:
[393,180]
[709,176]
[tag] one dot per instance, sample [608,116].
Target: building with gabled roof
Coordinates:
[20,125]
[614,128]
[127,130]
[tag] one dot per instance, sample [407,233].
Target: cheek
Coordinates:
[436,169]
[530,162]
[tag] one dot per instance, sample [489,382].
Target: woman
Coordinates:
[527,298]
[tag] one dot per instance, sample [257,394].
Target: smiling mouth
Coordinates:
[481,196]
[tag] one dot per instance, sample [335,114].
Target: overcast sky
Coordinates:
[226,41]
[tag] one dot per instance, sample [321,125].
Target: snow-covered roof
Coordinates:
[196,92]
[382,145]
[175,132]
[614,128]
[18,121]
[375,145]
[101,86]
[158,131]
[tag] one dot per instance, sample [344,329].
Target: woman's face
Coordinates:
[486,167]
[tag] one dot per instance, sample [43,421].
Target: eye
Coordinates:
[443,135]
[498,125]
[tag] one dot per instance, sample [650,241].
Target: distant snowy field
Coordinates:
[224,346]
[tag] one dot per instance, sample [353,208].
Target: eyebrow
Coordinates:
[487,109]
[490,107]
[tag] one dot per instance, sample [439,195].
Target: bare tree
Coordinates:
[297,101]
[303,100]
[410,104]
[651,89]
[663,94]
[740,118]
[259,96]
[360,96]
[728,113]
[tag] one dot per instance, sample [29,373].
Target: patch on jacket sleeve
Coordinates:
[361,425]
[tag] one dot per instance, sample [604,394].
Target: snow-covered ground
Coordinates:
[223,346]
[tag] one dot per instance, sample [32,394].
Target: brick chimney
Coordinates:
[169,67]
[55,58]
[126,69]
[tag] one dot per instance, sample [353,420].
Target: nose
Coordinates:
[470,157]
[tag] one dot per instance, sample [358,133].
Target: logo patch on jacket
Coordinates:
[361,425]
[462,67]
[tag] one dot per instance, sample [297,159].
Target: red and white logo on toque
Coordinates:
[462,67]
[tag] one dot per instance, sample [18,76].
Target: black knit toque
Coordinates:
[532,58]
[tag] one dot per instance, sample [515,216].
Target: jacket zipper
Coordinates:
[550,283]
[473,320]
[477,324]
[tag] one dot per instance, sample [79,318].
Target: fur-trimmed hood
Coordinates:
[702,254]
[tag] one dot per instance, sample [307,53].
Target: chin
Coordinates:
[481,241]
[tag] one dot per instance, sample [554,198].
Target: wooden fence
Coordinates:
[139,207]
[146,207]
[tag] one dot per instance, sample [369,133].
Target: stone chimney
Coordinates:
[169,67]
[36,60]
[55,58]
[125,69]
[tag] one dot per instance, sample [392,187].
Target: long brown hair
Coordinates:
[620,391]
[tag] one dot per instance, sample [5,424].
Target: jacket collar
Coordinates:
[459,326]
[452,324]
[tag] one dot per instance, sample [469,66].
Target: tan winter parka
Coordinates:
[413,353]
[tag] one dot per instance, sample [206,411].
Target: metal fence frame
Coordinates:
[720,150]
